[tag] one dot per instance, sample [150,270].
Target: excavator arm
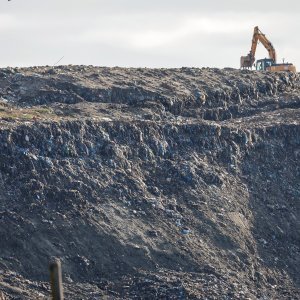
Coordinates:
[259,36]
[248,61]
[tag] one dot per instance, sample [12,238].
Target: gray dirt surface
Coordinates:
[150,183]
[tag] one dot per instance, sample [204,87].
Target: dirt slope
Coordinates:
[150,183]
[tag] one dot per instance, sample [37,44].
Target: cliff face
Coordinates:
[166,183]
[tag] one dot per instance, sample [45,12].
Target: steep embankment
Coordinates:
[167,183]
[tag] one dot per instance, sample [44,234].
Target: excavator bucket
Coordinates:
[246,62]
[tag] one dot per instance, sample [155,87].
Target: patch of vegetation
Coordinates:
[9,112]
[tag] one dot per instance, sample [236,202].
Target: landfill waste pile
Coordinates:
[150,183]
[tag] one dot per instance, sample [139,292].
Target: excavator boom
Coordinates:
[259,36]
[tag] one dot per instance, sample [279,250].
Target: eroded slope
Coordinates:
[177,183]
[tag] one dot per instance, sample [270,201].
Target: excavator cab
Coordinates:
[264,64]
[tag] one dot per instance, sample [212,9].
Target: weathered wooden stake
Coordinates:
[56,280]
[2,296]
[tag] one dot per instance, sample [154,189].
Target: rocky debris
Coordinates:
[157,184]
[210,94]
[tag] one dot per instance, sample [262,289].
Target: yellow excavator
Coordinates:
[266,64]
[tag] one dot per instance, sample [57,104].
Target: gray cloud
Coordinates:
[143,33]
[113,6]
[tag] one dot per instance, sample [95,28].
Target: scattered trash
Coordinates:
[185,230]
[178,222]
[118,162]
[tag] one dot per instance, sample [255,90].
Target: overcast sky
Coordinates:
[142,33]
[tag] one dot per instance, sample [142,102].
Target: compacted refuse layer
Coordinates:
[150,183]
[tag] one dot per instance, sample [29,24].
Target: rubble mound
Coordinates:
[150,183]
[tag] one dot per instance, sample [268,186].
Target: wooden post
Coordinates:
[56,280]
